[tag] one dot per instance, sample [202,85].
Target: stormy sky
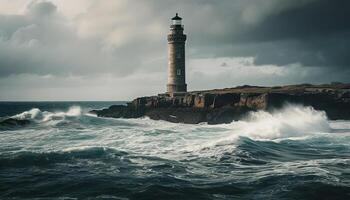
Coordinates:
[117,50]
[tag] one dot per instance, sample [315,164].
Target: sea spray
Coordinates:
[290,121]
[74,111]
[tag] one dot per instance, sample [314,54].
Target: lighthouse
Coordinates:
[176,58]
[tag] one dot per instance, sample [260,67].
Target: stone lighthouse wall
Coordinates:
[176,65]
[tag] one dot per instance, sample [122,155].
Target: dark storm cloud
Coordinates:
[313,33]
[119,37]
[317,34]
[317,19]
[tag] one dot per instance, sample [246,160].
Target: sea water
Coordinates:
[66,153]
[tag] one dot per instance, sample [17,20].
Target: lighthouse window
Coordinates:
[178,72]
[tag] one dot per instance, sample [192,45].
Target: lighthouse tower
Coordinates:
[176,55]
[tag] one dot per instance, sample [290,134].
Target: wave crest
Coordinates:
[33,113]
[44,116]
[290,122]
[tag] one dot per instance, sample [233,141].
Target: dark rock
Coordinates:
[225,105]
[11,122]
[178,115]
[221,100]
[254,101]
[335,107]
[120,111]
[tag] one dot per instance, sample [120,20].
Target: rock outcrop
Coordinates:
[12,122]
[225,105]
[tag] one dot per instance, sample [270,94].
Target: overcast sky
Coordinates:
[117,50]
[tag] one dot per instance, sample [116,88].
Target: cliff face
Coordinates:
[226,105]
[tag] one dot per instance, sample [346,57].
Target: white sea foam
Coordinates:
[176,141]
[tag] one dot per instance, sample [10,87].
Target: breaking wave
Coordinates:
[279,154]
[44,116]
[290,121]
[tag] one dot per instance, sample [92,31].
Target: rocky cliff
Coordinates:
[225,105]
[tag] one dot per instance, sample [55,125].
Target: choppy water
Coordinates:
[293,153]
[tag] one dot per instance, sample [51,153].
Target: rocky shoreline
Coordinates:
[225,105]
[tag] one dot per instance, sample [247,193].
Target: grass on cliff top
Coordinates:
[283,89]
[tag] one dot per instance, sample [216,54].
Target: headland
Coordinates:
[226,105]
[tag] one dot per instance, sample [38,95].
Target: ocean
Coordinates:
[67,153]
